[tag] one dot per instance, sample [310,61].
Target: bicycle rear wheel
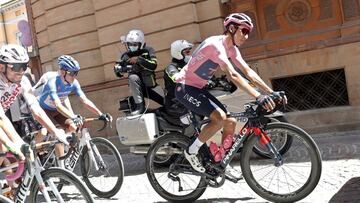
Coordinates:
[294,179]
[168,182]
[73,190]
[105,182]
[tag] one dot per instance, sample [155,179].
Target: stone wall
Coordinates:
[90,31]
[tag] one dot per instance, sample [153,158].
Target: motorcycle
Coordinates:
[140,131]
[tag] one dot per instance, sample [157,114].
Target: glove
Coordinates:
[105,117]
[133,60]
[61,136]
[266,102]
[281,95]
[78,121]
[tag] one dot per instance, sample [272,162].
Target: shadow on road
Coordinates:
[350,192]
[218,200]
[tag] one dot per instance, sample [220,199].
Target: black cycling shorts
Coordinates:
[197,100]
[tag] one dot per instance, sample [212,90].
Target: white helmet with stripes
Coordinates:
[13,53]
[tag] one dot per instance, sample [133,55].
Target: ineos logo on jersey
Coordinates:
[192,100]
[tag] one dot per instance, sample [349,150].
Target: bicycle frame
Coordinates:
[85,138]
[32,171]
[241,137]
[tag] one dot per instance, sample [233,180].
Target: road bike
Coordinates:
[282,178]
[41,185]
[100,163]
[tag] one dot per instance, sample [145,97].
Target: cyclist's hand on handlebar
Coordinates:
[61,136]
[106,117]
[27,152]
[78,121]
[266,102]
[281,95]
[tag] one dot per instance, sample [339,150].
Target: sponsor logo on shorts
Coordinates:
[192,100]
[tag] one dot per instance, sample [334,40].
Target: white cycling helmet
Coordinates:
[238,19]
[13,53]
[178,46]
[135,40]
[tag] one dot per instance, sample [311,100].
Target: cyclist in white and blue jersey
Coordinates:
[52,92]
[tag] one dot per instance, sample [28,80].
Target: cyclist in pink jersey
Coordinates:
[213,53]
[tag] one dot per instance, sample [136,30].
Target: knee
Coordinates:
[134,78]
[230,121]
[219,117]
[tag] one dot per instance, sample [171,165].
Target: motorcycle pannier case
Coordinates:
[137,130]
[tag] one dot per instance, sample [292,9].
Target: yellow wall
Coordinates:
[9,20]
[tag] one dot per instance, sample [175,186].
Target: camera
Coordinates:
[122,67]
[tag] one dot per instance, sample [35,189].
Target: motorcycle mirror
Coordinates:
[122,39]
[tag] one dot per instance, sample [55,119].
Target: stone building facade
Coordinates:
[292,38]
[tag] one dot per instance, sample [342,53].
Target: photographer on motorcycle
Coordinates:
[181,53]
[139,61]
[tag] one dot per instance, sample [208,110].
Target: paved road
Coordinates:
[341,164]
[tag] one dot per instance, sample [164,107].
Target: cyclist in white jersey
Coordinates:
[13,63]
[212,53]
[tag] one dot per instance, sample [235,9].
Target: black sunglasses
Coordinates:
[72,73]
[17,67]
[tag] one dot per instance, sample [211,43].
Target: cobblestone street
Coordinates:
[341,164]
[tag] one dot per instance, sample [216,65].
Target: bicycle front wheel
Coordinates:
[107,180]
[290,181]
[73,190]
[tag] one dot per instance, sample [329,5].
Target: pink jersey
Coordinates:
[206,59]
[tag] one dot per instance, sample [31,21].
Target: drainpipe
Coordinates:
[3,25]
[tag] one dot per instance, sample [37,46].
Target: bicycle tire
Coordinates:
[166,162]
[304,190]
[284,147]
[86,164]
[65,175]
[171,138]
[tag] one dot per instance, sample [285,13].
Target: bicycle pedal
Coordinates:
[233,179]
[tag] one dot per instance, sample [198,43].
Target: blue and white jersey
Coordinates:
[55,88]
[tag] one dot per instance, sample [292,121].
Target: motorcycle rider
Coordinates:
[140,62]
[181,53]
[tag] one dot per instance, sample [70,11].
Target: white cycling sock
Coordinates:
[194,148]
[61,163]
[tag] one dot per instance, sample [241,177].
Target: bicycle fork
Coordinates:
[93,151]
[265,140]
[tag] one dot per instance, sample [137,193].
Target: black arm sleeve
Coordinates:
[148,60]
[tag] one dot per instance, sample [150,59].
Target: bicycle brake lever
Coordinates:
[103,127]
